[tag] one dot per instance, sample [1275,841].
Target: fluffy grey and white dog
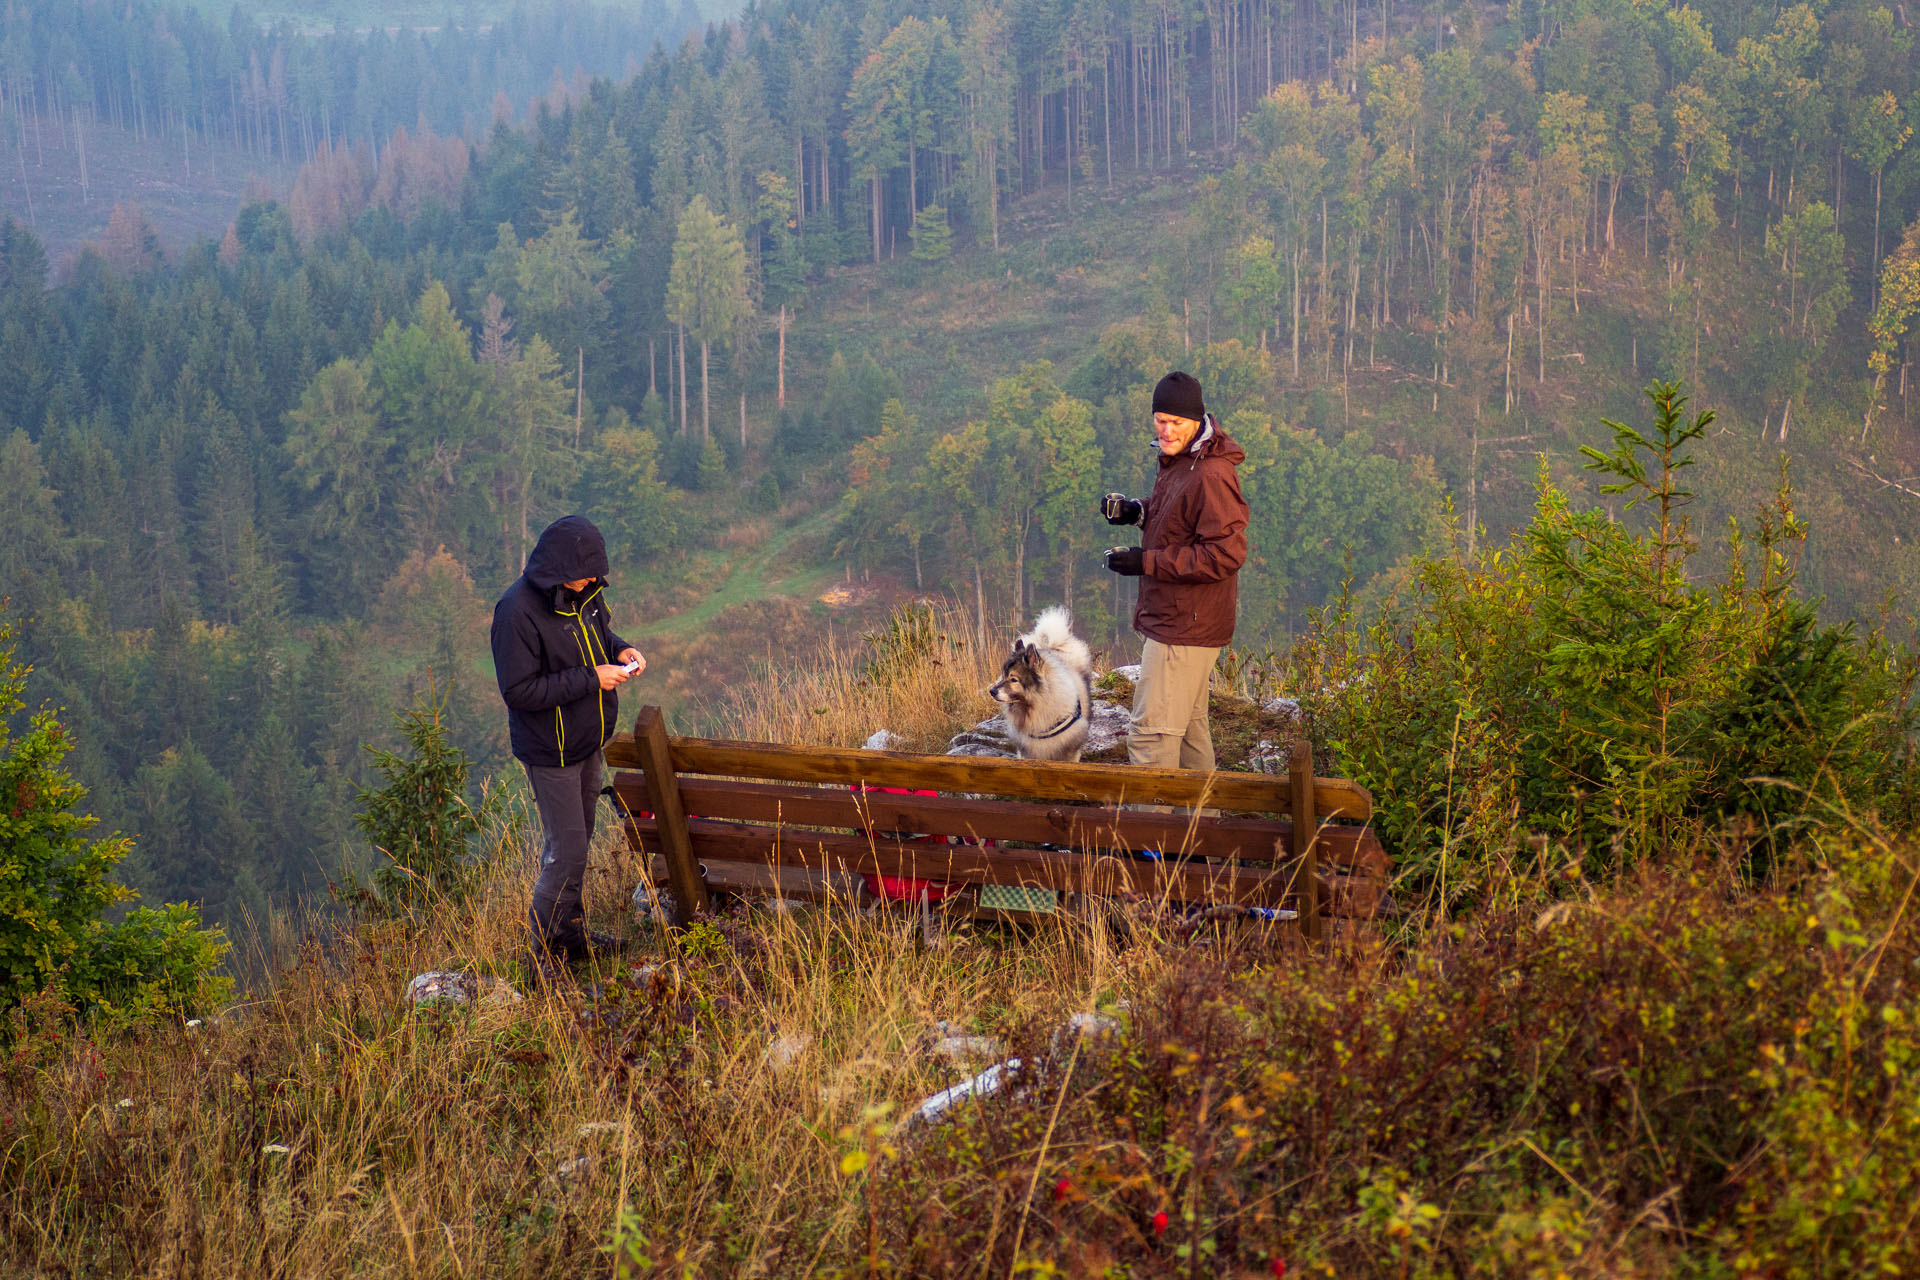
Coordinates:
[1046,686]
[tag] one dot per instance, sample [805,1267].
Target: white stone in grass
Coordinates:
[1267,758]
[884,740]
[959,1049]
[653,908]
[577,1167]
[1282,707]
[1130,672]
[441,984]
[276,1149]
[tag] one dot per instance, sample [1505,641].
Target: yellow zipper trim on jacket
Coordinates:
[587,657]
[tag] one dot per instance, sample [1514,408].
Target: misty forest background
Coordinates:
[305,331]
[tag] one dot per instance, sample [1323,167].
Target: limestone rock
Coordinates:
[653,908]
[1269,758]
[950,1041]
[462,988]
[885,740]
[442,984]
[1110,722]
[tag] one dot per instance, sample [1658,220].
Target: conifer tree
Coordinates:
[707,288]
[932,237]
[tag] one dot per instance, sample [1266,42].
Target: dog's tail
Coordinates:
[1053,629]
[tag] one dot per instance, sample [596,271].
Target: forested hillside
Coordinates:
[882,289]
[210,102]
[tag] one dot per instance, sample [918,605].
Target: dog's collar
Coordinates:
[1060,728]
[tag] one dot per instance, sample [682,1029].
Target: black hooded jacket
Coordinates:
[546,642]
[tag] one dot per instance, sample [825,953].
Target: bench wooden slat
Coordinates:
[1043,780]
[1078,826]
[1341,897]
[1181,881]
[778,882]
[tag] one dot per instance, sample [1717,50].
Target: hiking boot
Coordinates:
[547,968]
[584,944]
[601,942]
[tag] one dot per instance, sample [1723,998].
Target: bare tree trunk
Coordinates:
[782,374]
[1509,408]
[979,603]
[683,380]
[706,418]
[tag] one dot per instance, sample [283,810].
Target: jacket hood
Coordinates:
[1212,442]
[570,548]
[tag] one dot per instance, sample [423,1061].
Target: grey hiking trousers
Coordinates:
[568,797]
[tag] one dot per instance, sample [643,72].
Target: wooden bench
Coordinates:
[766,814]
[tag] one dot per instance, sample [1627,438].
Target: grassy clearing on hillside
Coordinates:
[184,201]
[949,330]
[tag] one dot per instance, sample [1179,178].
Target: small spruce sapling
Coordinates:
[1671,434]
[420,822]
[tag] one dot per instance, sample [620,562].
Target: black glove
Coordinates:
[1120,509]
[1130,561]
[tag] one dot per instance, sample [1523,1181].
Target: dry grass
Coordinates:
[325,1127]
[746,535]
[923,688]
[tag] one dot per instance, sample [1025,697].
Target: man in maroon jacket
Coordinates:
[1188,563]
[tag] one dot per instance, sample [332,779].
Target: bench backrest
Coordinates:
[816,807]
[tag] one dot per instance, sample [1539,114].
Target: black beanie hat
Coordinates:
[1179,394]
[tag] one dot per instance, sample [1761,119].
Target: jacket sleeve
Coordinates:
[1219,545]
[516,663]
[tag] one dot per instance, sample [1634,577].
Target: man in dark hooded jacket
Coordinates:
[558,662]
[1193,543]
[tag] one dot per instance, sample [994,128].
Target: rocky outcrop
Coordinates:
[993,737]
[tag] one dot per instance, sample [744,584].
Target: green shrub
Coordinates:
[1579,683]
[1680,1076]
[54,890]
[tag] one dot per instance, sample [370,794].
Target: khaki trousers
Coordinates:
[1170,728]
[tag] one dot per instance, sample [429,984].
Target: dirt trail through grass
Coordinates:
[753,573]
